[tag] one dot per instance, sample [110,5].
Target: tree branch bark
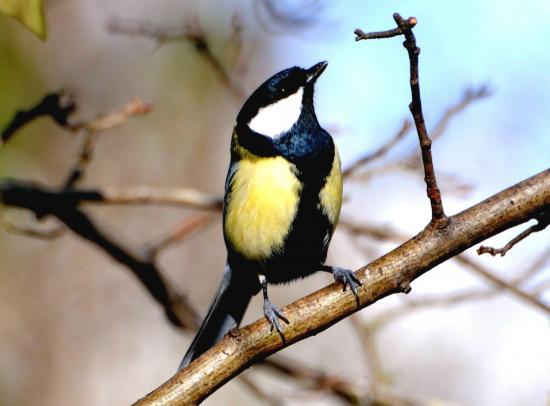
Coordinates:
[389,274]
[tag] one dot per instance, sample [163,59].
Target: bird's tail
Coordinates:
[226,312]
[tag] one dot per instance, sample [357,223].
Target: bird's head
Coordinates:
[278,103]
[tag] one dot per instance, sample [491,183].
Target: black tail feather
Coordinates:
[225,312]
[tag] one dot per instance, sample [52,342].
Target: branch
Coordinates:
[84,158]
[137,195]
[380,152]
[542,223]
[389,274]
[429,302]
[404,27]
[470,95]
[64,205]
[315,379]
[91,129]
[502,284]
[149,195]
[58,106]
[185,229]
[192,32]
[12,228]
[280,17]
[106,122]
[541,287]
[258,391]
[374,363]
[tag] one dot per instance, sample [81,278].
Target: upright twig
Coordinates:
[82,162]
[404,27]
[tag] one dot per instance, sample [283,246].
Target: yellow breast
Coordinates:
[264,195]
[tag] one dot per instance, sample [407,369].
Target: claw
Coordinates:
[347,278]
[273,314]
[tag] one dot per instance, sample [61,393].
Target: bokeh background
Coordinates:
[77,328]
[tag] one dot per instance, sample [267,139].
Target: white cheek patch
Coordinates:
[278,117]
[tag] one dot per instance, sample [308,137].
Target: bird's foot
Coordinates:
[347,278]
[272,313]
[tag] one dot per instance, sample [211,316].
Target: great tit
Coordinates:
[282,201]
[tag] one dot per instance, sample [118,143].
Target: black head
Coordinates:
[292,87]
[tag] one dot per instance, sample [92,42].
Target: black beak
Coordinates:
[315,71]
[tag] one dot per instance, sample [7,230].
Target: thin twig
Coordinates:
[470,95]
[282,19]
[30,231]
[360,34]
[181,196]
[110,195]
[541,287]
[108,121]
[238,59]
[59,106]
[430,302]
[192,32]
[542,223]
[318,380]
[380,152]
[258,391]
[495,280]
[382,233]
[535,267]
[368,341]
[404,27]
[189,226]
[91,129]
[84,159]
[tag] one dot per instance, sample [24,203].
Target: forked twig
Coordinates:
[404,27]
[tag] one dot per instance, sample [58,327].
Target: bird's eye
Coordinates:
[283,90]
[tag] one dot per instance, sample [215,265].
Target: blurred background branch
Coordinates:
[194,34]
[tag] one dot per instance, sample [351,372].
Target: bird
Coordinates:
[283,194]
